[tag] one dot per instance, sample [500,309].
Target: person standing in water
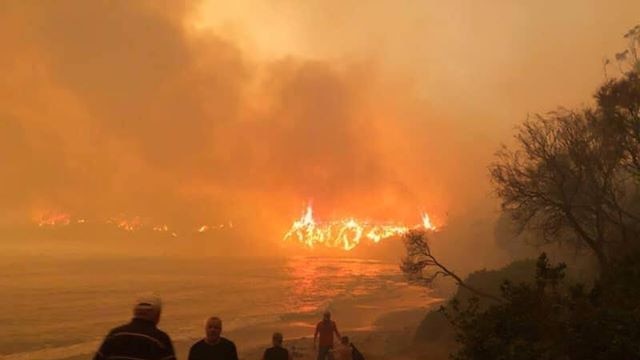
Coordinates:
[213,346]
[276,352]
[325,330]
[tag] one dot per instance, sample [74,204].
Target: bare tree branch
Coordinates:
[420,260]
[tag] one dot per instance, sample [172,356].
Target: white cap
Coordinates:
[148,302]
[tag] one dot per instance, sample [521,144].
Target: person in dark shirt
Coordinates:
[213,346]
[277,352]
[324,336]
[140,339]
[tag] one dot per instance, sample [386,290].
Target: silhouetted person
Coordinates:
[276,352]
[139,339]
[213,346]
[325,329]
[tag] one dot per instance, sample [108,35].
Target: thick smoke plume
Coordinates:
[184,116]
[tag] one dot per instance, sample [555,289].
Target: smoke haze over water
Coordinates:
[208,112]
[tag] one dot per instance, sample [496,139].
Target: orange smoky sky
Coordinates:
[189,113]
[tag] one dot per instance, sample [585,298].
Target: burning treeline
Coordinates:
[55,220]
[346,233]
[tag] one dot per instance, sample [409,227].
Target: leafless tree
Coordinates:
[421,266]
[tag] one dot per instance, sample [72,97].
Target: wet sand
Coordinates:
[390,337]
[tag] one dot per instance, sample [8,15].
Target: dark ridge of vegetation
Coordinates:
[435,326]
[553,319]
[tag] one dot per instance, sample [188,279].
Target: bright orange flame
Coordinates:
[54,219]
[127,224]
[161,228]
[345,234]
[426,222]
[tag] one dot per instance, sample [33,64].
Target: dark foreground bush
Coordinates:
[436,334]
[551,319]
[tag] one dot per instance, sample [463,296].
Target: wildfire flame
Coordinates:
[345,234]
[426,222]
[161,228]
[126,224]
[53,219]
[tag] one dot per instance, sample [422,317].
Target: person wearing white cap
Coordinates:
[140,339]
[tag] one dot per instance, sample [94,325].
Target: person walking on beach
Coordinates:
[139,339]
[325,330]
[276,352]
[213,346]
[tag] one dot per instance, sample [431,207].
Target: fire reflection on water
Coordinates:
[316,281]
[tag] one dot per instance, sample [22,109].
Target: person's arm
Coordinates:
[192,353]
[315,336]
[103,350]
[234,352]
[167,352]
[335,329]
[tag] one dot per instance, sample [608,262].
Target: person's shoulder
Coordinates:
[272,351]
[122,328]
[227,342]
[162,336]
[197,344]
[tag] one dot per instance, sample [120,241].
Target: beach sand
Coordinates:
[390,337]
[381,327]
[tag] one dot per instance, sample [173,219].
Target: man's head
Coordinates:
[344,340]
[148,307]
[213,329]
[276,339]
[326,315]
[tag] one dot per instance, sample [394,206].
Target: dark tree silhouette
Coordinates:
[575,175]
